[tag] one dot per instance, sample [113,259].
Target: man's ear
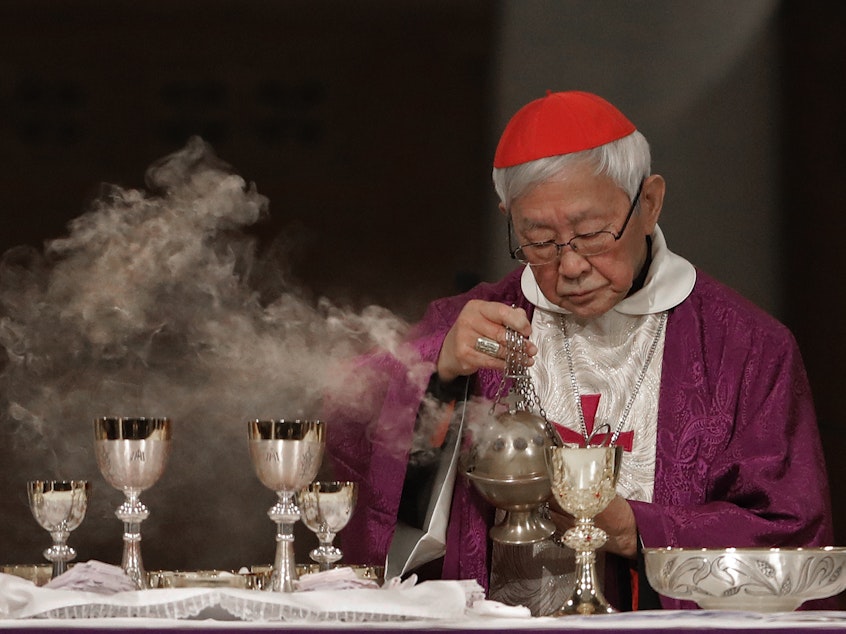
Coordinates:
[651,201]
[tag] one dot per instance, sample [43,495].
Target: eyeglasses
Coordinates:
[585,244]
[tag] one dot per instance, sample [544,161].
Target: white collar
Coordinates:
[668,283]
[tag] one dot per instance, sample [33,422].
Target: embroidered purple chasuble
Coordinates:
[738,456]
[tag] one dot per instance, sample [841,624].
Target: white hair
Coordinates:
[626,161]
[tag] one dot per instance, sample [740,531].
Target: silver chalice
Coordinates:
[286,455]
[131,455]
[584,481]
[59,507]
[325,508]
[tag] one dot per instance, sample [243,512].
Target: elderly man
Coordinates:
[706,392]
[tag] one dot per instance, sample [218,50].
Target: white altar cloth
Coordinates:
[432,605]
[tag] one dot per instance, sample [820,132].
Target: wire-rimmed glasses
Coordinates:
[585,244]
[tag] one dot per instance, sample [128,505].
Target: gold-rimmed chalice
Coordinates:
[131,454]
[326,508]
[59,507]
[286,455]
[584,481]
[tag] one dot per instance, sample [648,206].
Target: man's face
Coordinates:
[578,202]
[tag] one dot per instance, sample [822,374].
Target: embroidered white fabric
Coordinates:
[608,356]
[538,576]
[431,600]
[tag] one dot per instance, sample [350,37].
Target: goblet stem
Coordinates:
[587,597]
[59,553]
[132,512]
[326,554]
[285,513]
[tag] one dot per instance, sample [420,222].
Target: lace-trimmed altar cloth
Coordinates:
[431,600]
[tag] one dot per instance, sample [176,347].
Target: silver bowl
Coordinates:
[752,579]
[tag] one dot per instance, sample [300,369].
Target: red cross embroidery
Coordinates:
[590,403]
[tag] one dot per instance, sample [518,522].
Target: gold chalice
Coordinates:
[584,481]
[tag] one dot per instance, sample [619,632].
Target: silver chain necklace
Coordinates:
[574,383]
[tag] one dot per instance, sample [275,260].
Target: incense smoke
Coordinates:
[146,308]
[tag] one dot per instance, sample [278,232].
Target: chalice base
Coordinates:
[284,567]
[131,562]
[587,597]
[585,603]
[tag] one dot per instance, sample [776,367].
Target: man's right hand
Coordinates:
[459,356]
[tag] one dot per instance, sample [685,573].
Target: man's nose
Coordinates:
[571,264]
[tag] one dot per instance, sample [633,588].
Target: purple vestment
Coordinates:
[738,457]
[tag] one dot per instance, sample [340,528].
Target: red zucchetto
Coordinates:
[560,123]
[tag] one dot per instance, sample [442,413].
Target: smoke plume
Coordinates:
[146,308]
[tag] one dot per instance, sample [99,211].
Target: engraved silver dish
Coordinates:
[752,579]
[39,574]
[203,579]
[262,572]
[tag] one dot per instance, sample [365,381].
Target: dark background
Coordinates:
[370,128]
[365,125]
[357,122]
